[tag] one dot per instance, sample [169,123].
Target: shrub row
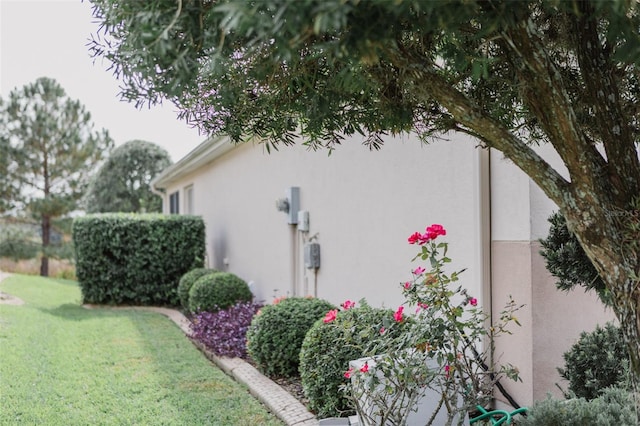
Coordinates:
[290,337]
[136,259]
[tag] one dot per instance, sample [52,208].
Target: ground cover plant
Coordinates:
[225,332]
[62,364]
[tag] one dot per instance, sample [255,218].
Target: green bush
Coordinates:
[213,292]
[327,350]
[599,359]
[17,242]
[276,333]
[187,281]
[136,259]
[566,260]
[614,407]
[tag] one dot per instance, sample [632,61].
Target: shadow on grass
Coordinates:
[76,312]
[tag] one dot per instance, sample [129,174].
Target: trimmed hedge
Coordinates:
[187,281]
[222,290]
[136,259]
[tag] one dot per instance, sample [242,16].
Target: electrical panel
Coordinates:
[312,256]
[303,221]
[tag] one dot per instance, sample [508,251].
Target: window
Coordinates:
[188,200]
[174,202]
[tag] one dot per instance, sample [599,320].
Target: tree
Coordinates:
[123,182]
[49,150]
[511,74]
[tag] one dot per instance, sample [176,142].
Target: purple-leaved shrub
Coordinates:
[225,332]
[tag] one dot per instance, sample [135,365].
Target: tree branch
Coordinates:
[548,99]
[493,133]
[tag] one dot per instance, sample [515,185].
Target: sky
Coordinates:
[47,38]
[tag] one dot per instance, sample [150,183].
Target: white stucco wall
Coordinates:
[362,204]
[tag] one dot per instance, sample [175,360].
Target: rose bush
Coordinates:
[442,349]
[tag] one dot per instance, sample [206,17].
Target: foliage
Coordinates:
[136,259]
[225,332]
[51,150]
[566,260]
[512,75]
[597,361]
[615,407]
[439,350]
[326,351]
[16,242]
[107,367]
[213,292]
[187,281]
[122,184]
[276,334]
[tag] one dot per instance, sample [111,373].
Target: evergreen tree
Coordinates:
[49,149]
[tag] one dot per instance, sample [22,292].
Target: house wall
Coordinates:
[551,321]
[362,205]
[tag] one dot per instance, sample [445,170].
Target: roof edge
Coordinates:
[212,148]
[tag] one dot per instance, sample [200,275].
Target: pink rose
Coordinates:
[414,238]
[348,304]
[473,301]
[365,367]
[419,270]
[347,374]
[407,285]
[397,316]
[331,316]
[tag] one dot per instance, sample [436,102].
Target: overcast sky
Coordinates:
[47,38]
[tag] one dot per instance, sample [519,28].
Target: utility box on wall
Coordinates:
[293,196]
[312,256]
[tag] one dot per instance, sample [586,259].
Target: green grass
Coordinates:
[61,364]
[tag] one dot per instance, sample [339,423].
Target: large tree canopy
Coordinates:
[513,74]
[123,182]
[49,149]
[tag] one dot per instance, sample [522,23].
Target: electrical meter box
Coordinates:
[312,256]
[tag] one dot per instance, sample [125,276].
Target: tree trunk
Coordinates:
[614,249]
[46,235]
[627,310]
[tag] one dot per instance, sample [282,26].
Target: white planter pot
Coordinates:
[419,414]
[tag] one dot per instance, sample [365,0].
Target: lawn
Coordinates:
[61,364]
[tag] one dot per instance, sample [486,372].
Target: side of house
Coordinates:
[361,206]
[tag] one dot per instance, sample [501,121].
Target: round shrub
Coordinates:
[187,281]
[599,359]
[276,333]
[221,290]
[327,350]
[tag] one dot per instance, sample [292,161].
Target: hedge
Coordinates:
[124,258]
